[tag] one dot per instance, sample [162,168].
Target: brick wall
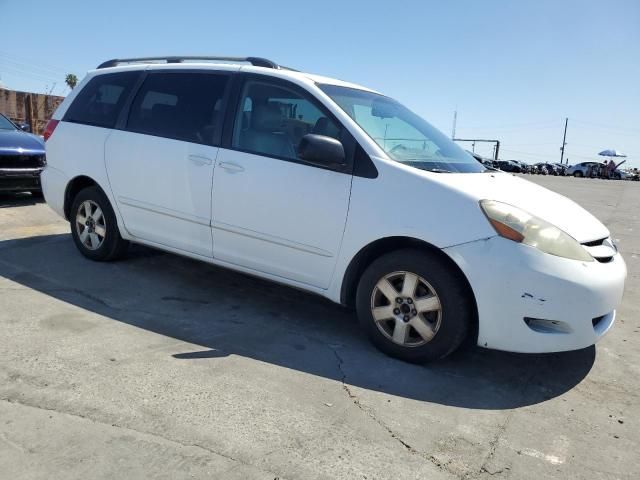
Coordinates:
[33,108]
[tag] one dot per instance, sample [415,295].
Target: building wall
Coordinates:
[33,108]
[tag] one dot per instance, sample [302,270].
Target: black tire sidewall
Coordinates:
[113,242]
[457,310]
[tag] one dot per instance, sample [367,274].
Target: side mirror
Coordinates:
[321,150]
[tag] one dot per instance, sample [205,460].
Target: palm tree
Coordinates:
[71,80]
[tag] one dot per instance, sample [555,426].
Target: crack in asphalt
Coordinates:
[493,445]
[369,412]
[156,436]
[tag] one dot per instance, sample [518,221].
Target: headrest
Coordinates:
[266,118]
[162,110]
[324,127]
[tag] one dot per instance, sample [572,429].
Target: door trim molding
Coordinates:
[270,239]
[164,211]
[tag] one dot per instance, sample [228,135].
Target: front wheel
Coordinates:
[94,226]
[414,306]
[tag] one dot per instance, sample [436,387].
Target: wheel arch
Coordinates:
[377,248]
[74,186]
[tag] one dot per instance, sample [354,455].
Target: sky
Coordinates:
[513,70]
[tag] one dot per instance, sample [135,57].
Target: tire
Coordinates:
[446,327]
[578,174]
[109,245]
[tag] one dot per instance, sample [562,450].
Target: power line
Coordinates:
[486,129]
[20,71]
[529,154]
[33,64]
[606,127]
[26,66]
[515,125]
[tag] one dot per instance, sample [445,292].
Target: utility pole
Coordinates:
[496,147]
[455,118]
[564,140]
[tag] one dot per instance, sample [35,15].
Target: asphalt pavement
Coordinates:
[162,367]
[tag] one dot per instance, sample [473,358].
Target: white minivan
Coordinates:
[332,188]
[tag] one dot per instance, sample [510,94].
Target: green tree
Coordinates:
[71,80]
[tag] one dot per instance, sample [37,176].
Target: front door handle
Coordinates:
[200,160]
[231,167]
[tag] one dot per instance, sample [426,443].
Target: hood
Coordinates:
[550,206]
[12,140]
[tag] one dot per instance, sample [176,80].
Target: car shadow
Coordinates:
[225,313]
[21,199]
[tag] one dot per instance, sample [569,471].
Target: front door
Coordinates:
[160,166]
[272,212]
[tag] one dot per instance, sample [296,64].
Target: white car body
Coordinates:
[304,226]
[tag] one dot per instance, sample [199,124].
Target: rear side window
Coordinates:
[101,100]
[180,105]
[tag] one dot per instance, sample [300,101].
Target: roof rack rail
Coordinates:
[255,61]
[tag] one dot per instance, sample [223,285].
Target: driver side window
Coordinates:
[273,119]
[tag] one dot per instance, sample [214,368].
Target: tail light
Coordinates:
[48,131]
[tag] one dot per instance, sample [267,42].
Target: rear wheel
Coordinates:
[94,226]
[414,306]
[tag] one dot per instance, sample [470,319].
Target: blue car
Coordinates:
[22,157]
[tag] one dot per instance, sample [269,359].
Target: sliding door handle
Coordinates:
[231,167]
[200,160]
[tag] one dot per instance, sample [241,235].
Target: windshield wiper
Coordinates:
[421,165]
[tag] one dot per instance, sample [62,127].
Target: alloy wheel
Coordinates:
[406,309]
[91,225]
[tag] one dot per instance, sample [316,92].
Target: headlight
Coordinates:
[522,227]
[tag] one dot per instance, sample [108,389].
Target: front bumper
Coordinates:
[19,179]
[532,302]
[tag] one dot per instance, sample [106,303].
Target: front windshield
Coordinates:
[403,135]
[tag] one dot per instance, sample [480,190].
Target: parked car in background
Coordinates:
[24,126]
[583,169]
[487,162]
[633,174]
[22,157]
[525,167]
[131,155]
[561,168]
[540,169]
[595,169]
[551,168]
[509,166]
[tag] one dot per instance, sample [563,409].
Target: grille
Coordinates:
[595,321]
[594,243]
[21,161]
[19,183]
[603,259]
[602,250]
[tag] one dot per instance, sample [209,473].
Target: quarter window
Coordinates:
[100,101]
[273,119]
[179,105]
